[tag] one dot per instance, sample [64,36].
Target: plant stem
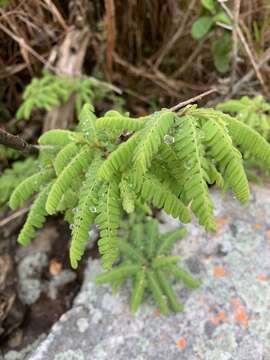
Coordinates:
[195,98]
[17,143]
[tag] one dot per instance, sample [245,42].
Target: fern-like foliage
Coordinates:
[51,91]
[13,176]
[167,160]
[254,114]
[145,259]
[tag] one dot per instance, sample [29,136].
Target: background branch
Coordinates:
[17,143]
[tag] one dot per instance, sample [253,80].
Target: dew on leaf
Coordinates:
[188,164]
[168,139]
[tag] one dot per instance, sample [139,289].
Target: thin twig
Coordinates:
[57,14]
[176,36]
[13,216]
[192,100]
[249,75]
[246,46]
[235,40]
[22,43]
[17,143]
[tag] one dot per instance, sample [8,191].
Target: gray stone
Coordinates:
[226,319]
[29,272]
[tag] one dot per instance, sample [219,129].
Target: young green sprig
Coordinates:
[146,259]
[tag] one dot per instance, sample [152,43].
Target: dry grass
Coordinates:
[143,46]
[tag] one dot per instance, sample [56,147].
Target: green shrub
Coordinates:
[145,258]
[167,160]
[51,91]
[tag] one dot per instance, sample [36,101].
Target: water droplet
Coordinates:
[74,210]
[168,139]
[93,209]
[71,226]
[201,135]
[188,164]
[91,234]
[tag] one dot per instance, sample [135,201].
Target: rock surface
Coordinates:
[228,318]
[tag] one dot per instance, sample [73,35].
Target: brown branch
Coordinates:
[192,100]
[14,216]
[111,35]
[17,143]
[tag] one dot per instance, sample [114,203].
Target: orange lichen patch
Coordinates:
[157,312]
[220,317]
[219,271]
[181,343]
[221,222]
[240,314]
[262,277]
[55,267]
[257,226]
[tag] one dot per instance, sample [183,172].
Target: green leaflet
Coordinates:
[85,213]
[232,106]
[152,231]
[137,235]
[12,177]
[169,156]
[35,219]
[67,176]
[167,289]
[162,261]
[128,196]
[229,159]
[157,292]
[169,239]
[130,252]
[190,151]
[116,121]
[184,276]
[249,140]
[201,27]
[117,273]
[29,186]
[56,137]
[119,159]
[87,120]
[108,221]
[64,156]
[151,138]
[153,191]
[138,290]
